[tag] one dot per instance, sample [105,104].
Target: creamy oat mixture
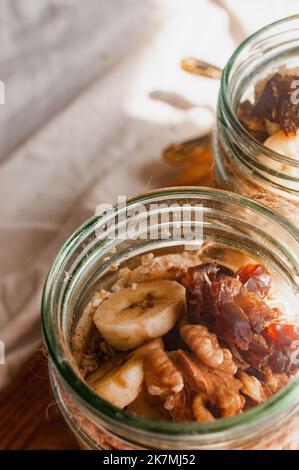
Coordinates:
[183,338]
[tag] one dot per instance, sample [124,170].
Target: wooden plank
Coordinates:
[29,417]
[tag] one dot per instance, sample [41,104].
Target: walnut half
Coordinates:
[205,346]
[161,376]
[219,389]
[200,412]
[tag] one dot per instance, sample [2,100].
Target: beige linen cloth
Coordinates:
[93,93]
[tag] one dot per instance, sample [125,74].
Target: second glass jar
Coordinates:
[242,164]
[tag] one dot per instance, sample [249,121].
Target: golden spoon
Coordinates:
[178,152]
[199,67]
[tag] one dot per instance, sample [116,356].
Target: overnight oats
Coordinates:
[169,344]
[180,343]
[256,144]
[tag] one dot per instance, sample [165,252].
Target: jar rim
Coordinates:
[122,418]
[225,79]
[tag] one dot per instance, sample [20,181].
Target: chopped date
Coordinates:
[255,278]
[273,104]
[202,287]
[256,309]
[233,325]
[232,307]
[199,280]
[284,339]
[280,362]
[259,353]
[282,335]
[235,314]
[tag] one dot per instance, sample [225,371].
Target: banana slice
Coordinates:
[121,384]
[119,380]
[133,316]
[286,145]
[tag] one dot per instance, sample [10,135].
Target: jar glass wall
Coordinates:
[242,163]
[232,226]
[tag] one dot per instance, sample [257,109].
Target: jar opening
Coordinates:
[228,215]
[260,55]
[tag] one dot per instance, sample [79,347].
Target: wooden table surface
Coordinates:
[29,417]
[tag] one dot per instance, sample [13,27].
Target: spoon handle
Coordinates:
[199,67]
[178,153]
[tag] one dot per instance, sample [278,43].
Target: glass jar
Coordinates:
[242,164]
[233,226]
